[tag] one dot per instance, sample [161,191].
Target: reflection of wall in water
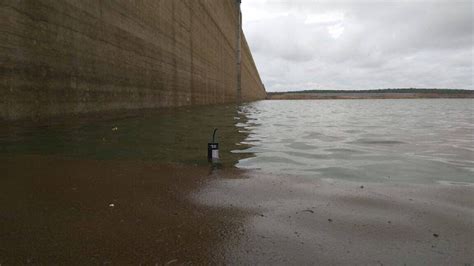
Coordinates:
[164,136]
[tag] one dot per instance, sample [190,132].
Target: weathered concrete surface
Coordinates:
[93,56]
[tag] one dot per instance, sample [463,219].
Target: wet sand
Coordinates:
[329,222]
[57,210]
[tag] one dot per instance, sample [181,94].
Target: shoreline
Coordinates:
[301,220]
[363,96]
[58,210]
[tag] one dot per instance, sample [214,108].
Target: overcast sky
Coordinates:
[309,44]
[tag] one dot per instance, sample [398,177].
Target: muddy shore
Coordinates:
[331,222]
[69,211]
[57,210]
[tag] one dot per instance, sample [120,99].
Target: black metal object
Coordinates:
[213,148]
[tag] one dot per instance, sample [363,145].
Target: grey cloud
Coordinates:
[383,44]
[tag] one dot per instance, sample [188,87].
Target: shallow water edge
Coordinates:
[57,210]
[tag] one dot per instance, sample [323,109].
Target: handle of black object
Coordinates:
[214,135]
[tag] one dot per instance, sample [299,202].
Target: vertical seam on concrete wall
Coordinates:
[216,24]
[175,55]
[239,52]
[191,44]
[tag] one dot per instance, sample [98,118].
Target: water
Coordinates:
[379,140]
[177,135]
[421,140]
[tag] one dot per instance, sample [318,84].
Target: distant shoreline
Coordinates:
[371,94]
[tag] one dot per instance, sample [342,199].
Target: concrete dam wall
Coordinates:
[94,56]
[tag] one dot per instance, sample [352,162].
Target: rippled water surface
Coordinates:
[381,140]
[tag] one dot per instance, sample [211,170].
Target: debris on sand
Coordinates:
[171,262]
